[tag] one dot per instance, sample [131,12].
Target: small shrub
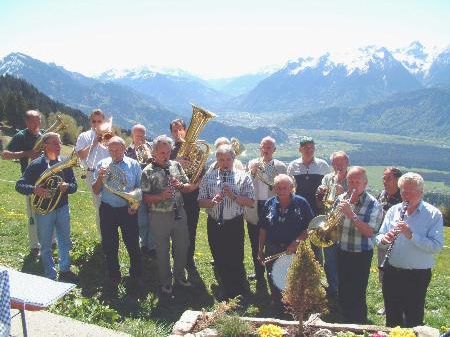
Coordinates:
[232,326]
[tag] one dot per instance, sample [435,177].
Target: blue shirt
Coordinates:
[131,179]
[427,228]
[25,185]
[284,227]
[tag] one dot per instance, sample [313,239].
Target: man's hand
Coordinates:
[101,173]
[41,192]
[403,227]
[63,187]
[253,168]
[176,183]
[292,248]
[217,199]
[228,192]
[346,208]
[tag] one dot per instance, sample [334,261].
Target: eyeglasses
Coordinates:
[94,121]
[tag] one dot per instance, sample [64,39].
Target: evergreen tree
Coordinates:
[304,292]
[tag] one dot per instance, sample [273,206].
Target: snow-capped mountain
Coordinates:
[344,79]
[439,72]
[174,88]
[124,104]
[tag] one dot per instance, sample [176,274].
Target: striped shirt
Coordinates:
[214,182]
[368,210]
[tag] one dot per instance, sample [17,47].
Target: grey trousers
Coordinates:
[164,229]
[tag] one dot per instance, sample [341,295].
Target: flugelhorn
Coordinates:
[323,230]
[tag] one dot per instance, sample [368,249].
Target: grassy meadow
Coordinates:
[139,311]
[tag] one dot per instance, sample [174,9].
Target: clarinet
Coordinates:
[221,205]
[385,261]
[172,188]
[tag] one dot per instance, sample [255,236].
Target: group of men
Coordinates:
[276,201]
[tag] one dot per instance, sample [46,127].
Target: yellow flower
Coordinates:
[270,330]
[402,332]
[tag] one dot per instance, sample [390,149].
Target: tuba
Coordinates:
[50,180]
[115,181]
[323,230]
[197,151]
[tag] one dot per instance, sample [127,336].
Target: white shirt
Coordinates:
[96,153]
[273,168]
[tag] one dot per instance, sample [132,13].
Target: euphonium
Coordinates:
[115,182]
[195,150]
[323,230]
[143,153]
[50,180]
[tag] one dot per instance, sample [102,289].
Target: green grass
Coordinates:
[139,311]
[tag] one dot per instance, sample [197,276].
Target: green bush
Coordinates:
[232,326]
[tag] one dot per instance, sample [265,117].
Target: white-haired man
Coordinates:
[415,240]
[224,192]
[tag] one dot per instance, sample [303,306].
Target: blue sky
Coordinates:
[212,38]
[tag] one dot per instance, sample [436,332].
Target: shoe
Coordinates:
[114,281]
[166,290]
[183,283]
[35,253]
[381,312]
[68,277]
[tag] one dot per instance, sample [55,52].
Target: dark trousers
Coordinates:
[404,292]
[111,218]
[354,268]
[269,250]
[192,213]
[253,235]
[227,248]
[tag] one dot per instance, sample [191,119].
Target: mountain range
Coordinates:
[307,85]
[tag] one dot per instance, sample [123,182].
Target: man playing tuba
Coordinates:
[58,219]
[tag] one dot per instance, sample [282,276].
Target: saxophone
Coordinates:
[197,151]
[323,230]
[50,180]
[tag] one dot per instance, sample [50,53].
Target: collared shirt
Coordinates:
[25,185]
[308,178]
[368,210]
[287,225]
[271,169]
[126,177]
[328,179]
[155,179]
[426,224]
[96,154]
[387,201]
[213,183]
[23,140]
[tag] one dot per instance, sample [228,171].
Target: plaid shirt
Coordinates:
[368,210]
[213,183]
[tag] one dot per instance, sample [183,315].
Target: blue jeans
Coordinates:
[331,268]
[145,238]
[59,221]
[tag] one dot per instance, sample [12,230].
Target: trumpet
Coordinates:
[105,132]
